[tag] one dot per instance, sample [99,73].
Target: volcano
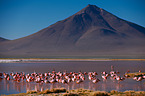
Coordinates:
[90,32]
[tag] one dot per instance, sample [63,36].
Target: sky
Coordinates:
[20,18]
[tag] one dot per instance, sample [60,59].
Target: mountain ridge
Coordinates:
[3,39]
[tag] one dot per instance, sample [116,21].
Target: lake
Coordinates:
[12,87]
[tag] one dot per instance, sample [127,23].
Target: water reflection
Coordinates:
[104,85]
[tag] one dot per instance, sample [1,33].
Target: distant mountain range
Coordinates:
[3,39]
[90,32]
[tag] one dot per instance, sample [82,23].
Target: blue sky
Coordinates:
[20,18]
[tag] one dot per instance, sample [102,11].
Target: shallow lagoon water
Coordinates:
[12,87]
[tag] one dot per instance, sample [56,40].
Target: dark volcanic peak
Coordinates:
[90,8]
[91,15]
[91,31]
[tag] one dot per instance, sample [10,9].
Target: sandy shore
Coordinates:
[48,60]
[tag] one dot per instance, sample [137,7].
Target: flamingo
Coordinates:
[52,80]
[28,80]
[64,81]
[135,78]
[46,74]
[118,78]
[18,79]
[104,75]
[79,81]
[113,73]
[143,77]
[38,79]
[139,78]
[46,81]
[5,75]
[8,78]
[95,80]
[90,77]
[69,80]
[73,79]
[23,77]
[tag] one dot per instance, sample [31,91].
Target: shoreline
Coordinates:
[60,60]
[79,92]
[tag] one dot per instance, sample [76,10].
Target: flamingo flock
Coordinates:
[52,77]
[65,77]
[49,77]
[139,77]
